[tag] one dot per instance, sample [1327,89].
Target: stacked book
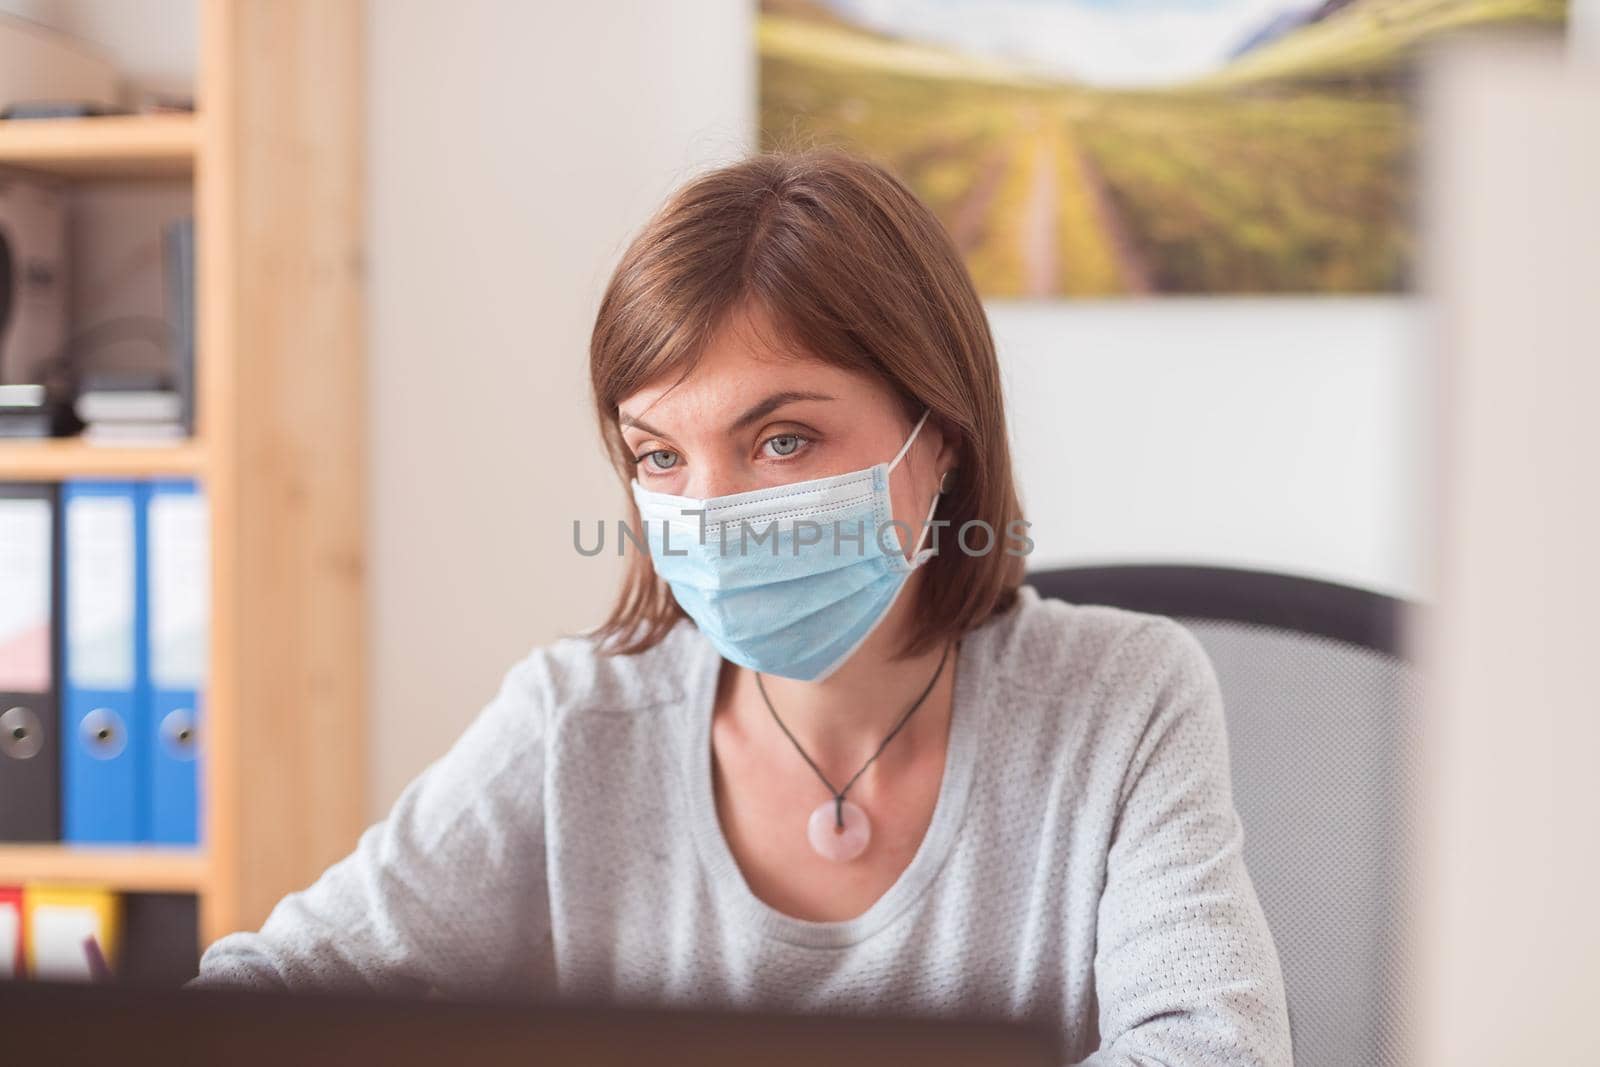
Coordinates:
[24,411]
[131,409]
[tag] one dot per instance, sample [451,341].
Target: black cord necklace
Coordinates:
[851,830]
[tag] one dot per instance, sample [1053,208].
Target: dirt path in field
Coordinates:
[1041,269]
[1051,166]
[1131,266]
[966,227]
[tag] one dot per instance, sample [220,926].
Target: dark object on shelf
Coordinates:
[58,387]
[178,249]
[160,939]
[99,969]
[58,109]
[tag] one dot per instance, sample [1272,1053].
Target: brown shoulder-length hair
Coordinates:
[852,269]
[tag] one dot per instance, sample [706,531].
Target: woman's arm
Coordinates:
[447,894]
[1185,968]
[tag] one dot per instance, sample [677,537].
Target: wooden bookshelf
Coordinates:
[59,458]
[131,869]
[275,155]
[119,146]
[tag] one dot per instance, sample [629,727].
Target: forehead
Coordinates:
[744,362]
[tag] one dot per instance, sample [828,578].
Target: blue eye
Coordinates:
[785,444]
[660,460]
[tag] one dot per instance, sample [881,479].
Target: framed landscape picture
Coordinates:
[1082,148]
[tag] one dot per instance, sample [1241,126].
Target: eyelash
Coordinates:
[802,440]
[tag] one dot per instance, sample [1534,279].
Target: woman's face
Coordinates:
[747,419]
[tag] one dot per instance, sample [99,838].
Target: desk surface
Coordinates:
[115,1026]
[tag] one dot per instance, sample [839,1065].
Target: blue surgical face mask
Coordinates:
[787,580]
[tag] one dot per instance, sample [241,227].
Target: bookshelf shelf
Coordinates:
[111,146]
[128,868]
[56,459]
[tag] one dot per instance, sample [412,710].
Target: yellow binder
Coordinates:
[59,918]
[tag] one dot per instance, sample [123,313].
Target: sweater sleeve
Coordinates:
[1186,972]
[444,896]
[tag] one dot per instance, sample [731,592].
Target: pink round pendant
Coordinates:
[840,844]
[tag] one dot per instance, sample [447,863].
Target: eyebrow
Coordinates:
[751,414]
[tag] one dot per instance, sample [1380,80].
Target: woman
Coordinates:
[825,754]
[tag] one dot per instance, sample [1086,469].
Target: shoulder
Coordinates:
[574,672]
[542,692]
[1129,687]
[1053,646]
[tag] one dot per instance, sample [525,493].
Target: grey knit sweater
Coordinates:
[1082,867]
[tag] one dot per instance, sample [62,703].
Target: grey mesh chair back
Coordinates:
[1320,702]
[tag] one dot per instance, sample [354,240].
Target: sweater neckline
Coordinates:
[728,881]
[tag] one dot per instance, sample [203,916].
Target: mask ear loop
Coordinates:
[917,558]
[898,456]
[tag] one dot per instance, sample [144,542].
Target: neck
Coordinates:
[841,720]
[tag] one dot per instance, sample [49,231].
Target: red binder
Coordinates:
[11,932]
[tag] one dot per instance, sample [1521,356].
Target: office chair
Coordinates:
[1321,702]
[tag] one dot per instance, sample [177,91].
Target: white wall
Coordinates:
[513,150]
[1278,434]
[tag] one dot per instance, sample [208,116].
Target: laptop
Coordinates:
[105,1025]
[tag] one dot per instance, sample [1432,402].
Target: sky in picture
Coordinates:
[1111,43]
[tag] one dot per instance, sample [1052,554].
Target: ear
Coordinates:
[949,452]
